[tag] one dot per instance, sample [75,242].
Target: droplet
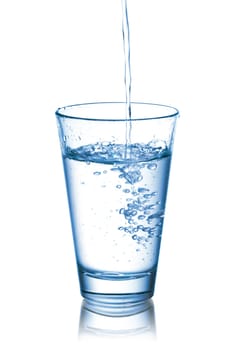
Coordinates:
[97,173]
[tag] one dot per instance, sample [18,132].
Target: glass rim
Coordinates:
[61,111]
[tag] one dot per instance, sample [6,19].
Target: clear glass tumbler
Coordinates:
[116,171]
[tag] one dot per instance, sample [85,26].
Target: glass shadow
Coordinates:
[117,321]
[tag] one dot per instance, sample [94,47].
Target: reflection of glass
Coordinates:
[117,321]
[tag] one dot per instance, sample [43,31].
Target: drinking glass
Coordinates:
[116,169]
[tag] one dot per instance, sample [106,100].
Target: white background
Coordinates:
[55,53]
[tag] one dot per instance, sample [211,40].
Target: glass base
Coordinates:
[114,288]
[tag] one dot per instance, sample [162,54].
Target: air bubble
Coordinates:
[143,190]
[152,166]
[152,217]
[118,186]
[135,193]
[141,208]
[146,229]
[129,212]
[133,205]
[150,206]
[126,190]
[97,173]
[147,196]
[147,212]
[115,169]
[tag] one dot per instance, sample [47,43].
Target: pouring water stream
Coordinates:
[127,73]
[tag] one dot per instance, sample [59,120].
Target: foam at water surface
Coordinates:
[107,152]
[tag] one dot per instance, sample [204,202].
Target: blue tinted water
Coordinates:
[117,205]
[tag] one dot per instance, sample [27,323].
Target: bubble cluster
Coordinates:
[142,213]
[131,173]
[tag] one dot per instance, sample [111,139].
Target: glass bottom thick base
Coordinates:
[114,288]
